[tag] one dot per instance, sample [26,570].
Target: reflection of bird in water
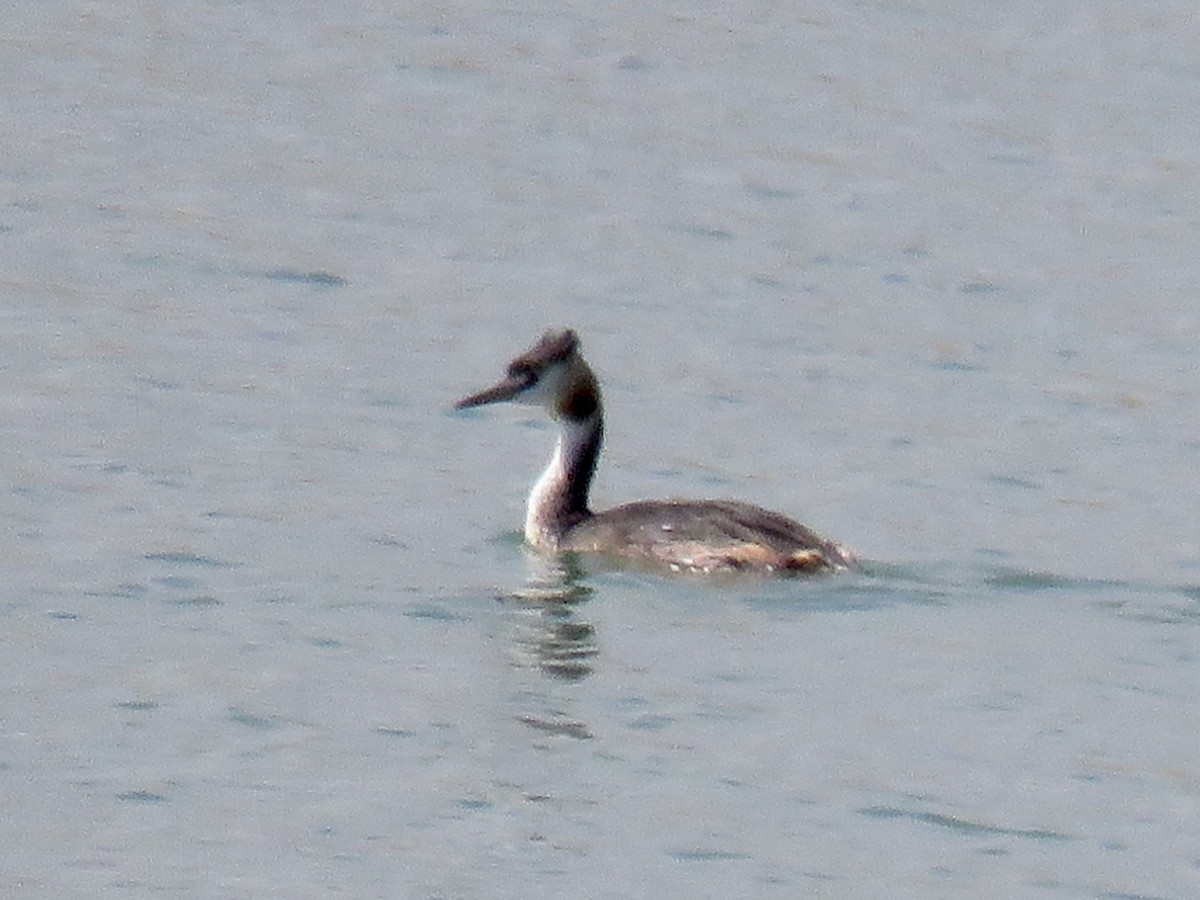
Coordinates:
[693,536]
[553,638]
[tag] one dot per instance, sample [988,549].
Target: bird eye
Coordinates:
[523,372]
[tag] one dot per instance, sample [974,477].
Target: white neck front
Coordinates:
[558,500]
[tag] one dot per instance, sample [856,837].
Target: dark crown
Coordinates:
[552,347]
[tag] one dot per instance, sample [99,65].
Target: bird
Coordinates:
[692,536]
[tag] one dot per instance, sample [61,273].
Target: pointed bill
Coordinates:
[503,390]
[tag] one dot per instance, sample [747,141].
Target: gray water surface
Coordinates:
[921,275]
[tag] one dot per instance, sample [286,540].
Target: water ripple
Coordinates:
[962,826]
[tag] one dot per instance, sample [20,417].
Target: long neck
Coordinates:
[559,499]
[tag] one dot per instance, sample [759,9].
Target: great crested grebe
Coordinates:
[694,536]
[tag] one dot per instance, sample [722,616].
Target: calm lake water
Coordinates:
[922,275]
